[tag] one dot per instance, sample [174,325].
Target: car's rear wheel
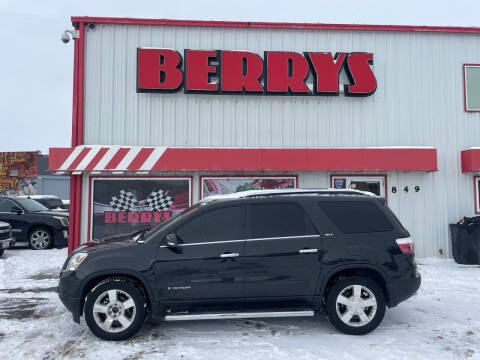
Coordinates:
[1,252]
[115,310]
[40,239]
[355,305]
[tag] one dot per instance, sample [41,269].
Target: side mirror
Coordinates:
[16,209]
[171,240]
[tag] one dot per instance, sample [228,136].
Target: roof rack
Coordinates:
[261,193]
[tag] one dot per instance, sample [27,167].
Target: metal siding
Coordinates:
[419,101]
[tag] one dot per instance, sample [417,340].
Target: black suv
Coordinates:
[33,223]
[246,255]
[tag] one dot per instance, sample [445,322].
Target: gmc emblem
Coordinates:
[244,72]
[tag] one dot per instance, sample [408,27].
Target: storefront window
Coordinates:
[227,185]
[477,194]
[371,183]
[125,205]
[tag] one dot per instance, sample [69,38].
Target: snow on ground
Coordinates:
[441,322]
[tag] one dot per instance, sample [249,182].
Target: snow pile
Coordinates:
[441,322]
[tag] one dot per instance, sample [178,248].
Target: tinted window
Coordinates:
[51,203]
[353,217]
[215,225]
[6,205]
[278,220]
[31,205]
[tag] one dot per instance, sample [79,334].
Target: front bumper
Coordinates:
[60,238]
[7,243]
[69,287]
[401,290]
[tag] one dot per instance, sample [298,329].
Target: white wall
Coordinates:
[419,102]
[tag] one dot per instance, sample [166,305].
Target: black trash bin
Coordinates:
[466,241]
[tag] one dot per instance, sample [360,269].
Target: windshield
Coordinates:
[152,233]
[31,205]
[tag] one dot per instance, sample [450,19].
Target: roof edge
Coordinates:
[272,25]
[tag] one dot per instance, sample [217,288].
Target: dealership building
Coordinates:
[167,112]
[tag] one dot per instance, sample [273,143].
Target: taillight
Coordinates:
[406,245]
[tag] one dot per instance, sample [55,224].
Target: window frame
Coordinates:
[464,75]
[366,175]
[249,233]
[476,184]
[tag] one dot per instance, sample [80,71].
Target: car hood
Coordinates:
[111,242]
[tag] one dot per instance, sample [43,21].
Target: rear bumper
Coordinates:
[7,243]
[401,290]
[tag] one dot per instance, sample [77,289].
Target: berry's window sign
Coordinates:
[126,205]
[244,72]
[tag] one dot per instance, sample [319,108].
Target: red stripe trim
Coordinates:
[470,160]
[271,25]
[141,157]
[78,159]
[117,158]
[91,165]
[366,159]
[57,156]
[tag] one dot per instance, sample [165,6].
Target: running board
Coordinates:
[240,315]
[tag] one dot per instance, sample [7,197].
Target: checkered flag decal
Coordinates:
[125,201]
[159,201]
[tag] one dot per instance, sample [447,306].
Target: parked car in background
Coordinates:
[256,254]
[6,238]
[33,223]
[66,205]
[51,202]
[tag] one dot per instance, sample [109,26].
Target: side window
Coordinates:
[6,205]
[353,217]
[279,220]
[216,225]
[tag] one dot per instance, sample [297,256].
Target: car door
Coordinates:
[205,266]
[282,252]
[16,220]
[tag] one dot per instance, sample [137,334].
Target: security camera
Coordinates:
[66,36]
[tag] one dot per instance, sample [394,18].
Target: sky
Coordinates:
[36,68]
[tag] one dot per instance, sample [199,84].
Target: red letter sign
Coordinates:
[286,72]
[359,72]
[326,71]
[198,71]
[158,70]
[241,71]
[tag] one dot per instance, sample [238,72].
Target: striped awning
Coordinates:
[117,159]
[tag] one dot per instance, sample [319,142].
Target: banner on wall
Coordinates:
[126,205]
[228,185]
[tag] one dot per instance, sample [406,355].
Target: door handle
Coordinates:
[328,235]
[229,255]
[307,251]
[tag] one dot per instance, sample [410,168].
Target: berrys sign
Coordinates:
[244,72]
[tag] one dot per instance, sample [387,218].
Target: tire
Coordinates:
[40,238]
[352,316]
[119,320]
[1,251]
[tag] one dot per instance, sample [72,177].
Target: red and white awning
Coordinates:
[117,159]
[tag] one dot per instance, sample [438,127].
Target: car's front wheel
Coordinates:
[115,309]
[40,239]
[1,252]
[355,305]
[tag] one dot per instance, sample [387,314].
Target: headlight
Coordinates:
[63,220]
[76,260]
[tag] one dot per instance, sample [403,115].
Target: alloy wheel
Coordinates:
[356,305]
[114,311]
[40,239]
